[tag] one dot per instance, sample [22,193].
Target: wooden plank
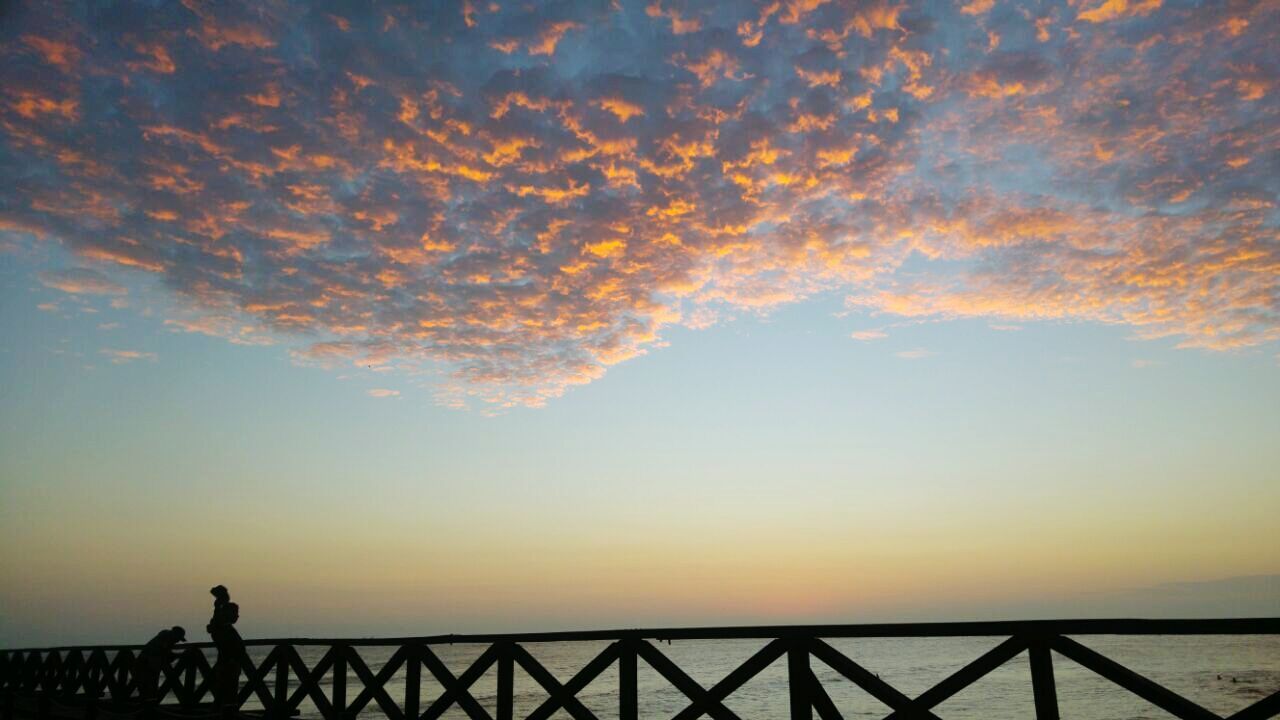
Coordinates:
[1267,707]
[279,707]
[1043,688]
[412,681]
[506,683]
[338,685]
[867,680]
[563,696]
[1150,691]
[628,693]
[1006,628]
[798,675]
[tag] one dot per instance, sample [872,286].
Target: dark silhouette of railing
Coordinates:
[84,681]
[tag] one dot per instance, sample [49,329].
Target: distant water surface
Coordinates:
[1190,666]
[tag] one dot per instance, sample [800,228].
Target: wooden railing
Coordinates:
[89,681]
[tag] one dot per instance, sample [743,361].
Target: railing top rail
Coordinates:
[1008,628]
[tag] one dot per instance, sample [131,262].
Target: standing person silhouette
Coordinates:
[221,627]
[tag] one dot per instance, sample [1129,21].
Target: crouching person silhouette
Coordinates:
[226,669]
[154,658]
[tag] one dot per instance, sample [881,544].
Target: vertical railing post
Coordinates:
[339,694]
[12,680]
[42,703]
[1042,685]
[189,677]
[628,696]
[798,680]
[280,709]
[128,674]
[506,681]
[412,681]
[91,702]
[123,658]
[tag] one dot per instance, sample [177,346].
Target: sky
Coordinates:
[476,316]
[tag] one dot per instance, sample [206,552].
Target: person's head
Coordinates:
[178,633]
[233,612]
[220,594]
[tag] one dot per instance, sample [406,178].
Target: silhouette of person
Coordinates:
[230,646]
[221,596]
[153,657]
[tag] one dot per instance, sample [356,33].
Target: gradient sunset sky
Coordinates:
[496,315]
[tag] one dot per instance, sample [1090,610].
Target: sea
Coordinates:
[1221,673]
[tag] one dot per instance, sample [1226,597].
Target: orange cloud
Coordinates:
[550,37]
[620,108]
[157,59]
[512,228]
[122,357]
[1108,10]
[680,25]
[81,281]
[61,55]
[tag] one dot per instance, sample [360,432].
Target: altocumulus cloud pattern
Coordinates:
[519,195]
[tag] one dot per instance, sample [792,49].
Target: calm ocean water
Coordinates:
[1187,665]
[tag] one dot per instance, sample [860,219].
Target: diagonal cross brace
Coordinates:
[458,689]
[821,700]
[964,677]
[49,672]
[309,681]
[734,680]
[117,675]
[73,672]
[685,684]
[255,678]
[100,676]
[375,686]
[1267,707]
[171,674]
[867,680]
[1143,687]
[564,696]
[205,673]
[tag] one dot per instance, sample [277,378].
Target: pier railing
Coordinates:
[93,681]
